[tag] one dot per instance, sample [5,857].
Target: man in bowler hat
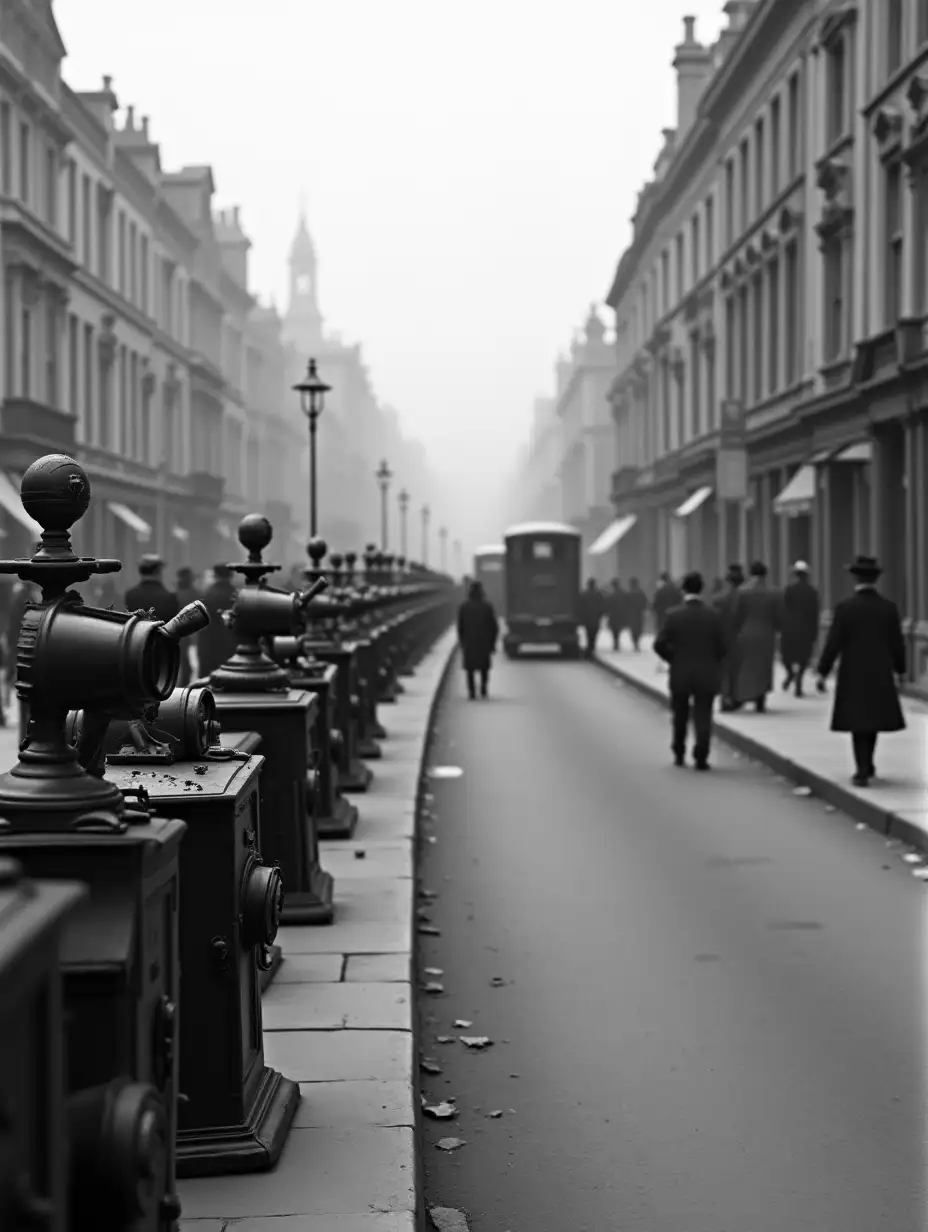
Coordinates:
[150,593]
[216,643]
[865,639]
[692,641]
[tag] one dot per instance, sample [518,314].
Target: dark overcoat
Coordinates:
[617,609]
[216,643]
[724,603]
[865,639]
[801,611]
[636,604]
[757,619]
[591,606]
[478,630]
[666,597]
[152,594]
[692,641]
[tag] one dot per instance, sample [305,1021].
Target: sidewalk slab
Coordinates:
[338,1019]
[794,739]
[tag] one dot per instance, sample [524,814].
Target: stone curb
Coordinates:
[428,739]
[869,811]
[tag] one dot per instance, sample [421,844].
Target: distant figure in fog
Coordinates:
[692,641]
[636,604]
[592,607]
[801,610]
[216,643]
[865,639]
[150,593]
[757,621]
[186,593]
[724,603]
[616,613]
[478,630]
[667,595]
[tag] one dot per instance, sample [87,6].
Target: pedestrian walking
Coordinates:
[636,604]
[616,611]
[757,619]
[865,639]
[724,603]
[692,642]
[216,643]
[591,615]
[801,612]
[668,595]
[150,594]
[187,592]
[478,630]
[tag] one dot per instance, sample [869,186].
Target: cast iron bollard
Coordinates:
[33,1097]
[253,694]
[236,1112]
[120,952]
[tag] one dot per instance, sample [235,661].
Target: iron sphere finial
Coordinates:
[55,491]
[255,532]
[316,550]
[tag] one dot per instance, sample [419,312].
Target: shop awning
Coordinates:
[614,533]
[861,452]
[130,518]
[224,529]
[9,500]
[180,533]
[694,501]
[798,495]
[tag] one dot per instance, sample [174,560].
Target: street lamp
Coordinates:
[312,393]
[426,513]
[403,501]
[383,475]
[443,549]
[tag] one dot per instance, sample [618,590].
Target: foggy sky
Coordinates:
[469,172]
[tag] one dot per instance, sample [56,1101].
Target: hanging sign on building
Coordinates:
[731,460]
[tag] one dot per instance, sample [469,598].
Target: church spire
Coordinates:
[303,315]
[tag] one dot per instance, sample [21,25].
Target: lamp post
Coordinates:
[383,475]
[312,393]
[443,548]
[403,501]
[426,513]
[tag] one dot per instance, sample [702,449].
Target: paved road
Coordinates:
[715,998]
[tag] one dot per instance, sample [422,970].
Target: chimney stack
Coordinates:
[693,63]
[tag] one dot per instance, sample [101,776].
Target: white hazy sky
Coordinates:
[469,169]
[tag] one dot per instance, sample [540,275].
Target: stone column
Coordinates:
[887,506]
[914,498]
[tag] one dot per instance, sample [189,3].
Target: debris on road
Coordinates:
[434,970]
[422,913]
[476,1041]
[445,1039]
[430,1066]
[447,1219]
[802,791]
[429,930]
[497,982]
[496,1114]
[446,772]
[359,855]
[450,1144]
[433,988]
[428,894]
[462,1022]
[440,1112]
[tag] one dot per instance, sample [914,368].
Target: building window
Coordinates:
[143,271]
[710,232]
[133,443]
[680,271]
[793,295]
[25,164]
[122,411]
[833,257]
[86,222]
[51,354]
[168,445]
[121,252]
[773,325]
[87,408]
[893,309]
[695,390]
[25,354]
[758,339]
[9,321]
[167,296]
[836,92]
[729,202]
[6,149]
[745,169]
[666,407]
[145,425]
[71,189]
[695,245]
[104,399]
[731,348]
[74,381]
[743,344]
[51,187]
[133,264]
[103,234]
[710,389]
[894,36]
[775,146]
[921,19]
[920,255]
[759,162]
[795,128]
[665,281]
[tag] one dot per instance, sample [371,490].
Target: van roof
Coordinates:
[542,528]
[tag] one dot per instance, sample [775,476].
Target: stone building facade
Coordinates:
[770,397]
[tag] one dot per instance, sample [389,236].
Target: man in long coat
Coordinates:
[667,595]
[150,593]
[216,643]
[616,616]
[724,604]
[636,604]
[591,615]
[865,639]
[478,630]
[801,612]
[757,621]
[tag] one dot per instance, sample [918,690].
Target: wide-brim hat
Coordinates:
[865,566]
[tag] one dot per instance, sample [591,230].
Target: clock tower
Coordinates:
[303,320]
